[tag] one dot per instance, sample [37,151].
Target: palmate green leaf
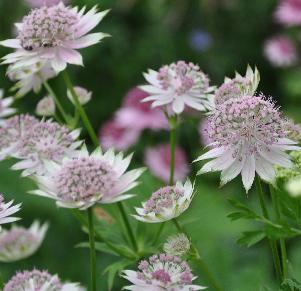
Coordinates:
[250,238]
[243,211]
[290,285]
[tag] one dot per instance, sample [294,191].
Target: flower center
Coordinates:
[161,275]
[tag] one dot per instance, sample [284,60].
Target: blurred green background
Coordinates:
[221,36]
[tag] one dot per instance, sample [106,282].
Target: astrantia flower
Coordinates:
[11,132]
[248,136]
[45,141]
[280,51]
[140,115]
[39,3]
[84,180]
[289,12]
[238,86]
[161,272]
[5,109]
[84,96]
[19,243]
[157,160]
[55,33]
[36,280]
[179,84]
[177,245]
[6,210]
[113,135]
[46,107]
[166,203]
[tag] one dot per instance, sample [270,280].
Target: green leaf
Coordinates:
[243,211]
[290,285]
[250,238]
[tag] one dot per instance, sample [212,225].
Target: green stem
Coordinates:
[172,142]
[92,249]
[199,260]
[128,226]
[272,243]
[80,109]
[159,232]
[276,207]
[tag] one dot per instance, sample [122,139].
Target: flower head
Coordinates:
[5,109]
[238,86]
[248,136]
[166,203]
[157,159]
[289,12]
[84,96]
[161,272]
[39,280]
[19,243]
[54,33]
[46,107]
[280,51]
[177,245]
[6,210]
[84,180]
[179,84]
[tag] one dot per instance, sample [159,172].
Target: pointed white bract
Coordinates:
[162,272]
[19,243]
[46,107]
[5,109]
[248,136]
[7,210]
[39,280]
[85,179]
[179,85]
[54,34]
[84,96]
[166,203]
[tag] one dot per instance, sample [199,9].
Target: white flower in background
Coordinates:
[19,243]
[54,33]
[166,203]
[45,141]
[84,96]
[161,272]
[46,107]
[239,86]
[293,186]
[36,280]
[177,245]
[84,180]
[248,136]
[179,84]
[6,210]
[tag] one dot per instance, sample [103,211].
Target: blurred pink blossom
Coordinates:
[289,12]
[135,114]
[39,3]
[280,51]
[158,161]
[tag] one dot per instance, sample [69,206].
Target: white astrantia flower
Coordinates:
[239,86]
[248,136]
[86,179]
[54,33]
[46,106]
[84,96]
[6,210]
[45,141]
[178,85]
[293,186]
[19,243]
[5,109]
[166,203]
[177,245]
[37,280]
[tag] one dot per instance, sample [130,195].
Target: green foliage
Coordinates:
[290,285]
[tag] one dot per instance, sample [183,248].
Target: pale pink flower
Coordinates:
[203,132]
[157,160]
[6,210]
[36,280]
[178,85]
[248,137]
[5,109]
[39,3]
[161,272]
[140,115]
[280,51]
[113,134]
[46,106]
[84,180]
[54,33]
[289,12]
[84,96]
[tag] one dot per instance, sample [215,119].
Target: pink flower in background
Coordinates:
[158,161]
[280,51]
[289,12]
[112,134]
[203,131]
[140,115]
[39,3]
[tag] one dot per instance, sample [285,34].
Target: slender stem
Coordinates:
[92,249]
[128,226]
[272,243]
[172,142]
[159,232]
[80,109]
[57,101]
[199,260]
[284,259]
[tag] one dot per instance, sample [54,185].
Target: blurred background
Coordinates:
[222,36]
